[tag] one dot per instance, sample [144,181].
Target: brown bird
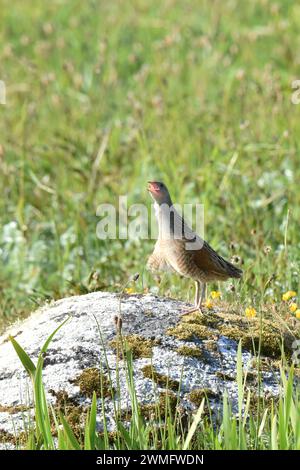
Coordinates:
[180,249]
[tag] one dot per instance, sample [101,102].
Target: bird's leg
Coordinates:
[198,300]
[202,298]
[196,293]
[203,294]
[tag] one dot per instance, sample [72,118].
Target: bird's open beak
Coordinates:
[152,187]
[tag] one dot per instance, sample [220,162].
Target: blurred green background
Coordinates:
[194,93]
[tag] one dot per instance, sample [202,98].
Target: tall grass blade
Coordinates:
[24,358]
[194,425]
[72,441]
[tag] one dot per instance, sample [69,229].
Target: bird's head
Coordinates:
[159,192]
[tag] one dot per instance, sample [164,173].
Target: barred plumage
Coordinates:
[202,263]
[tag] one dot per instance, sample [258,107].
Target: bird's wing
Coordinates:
[183,231]
[180,228]
[205,257]
[208,260]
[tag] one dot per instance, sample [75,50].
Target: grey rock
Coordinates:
[78,346]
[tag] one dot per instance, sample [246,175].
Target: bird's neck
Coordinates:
[171,226]
[168,220]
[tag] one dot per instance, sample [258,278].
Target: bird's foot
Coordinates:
[191,310]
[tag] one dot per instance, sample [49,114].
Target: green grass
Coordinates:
[274,427]
[197,94]
[194,93]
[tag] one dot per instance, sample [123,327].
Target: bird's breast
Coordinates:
[176,256]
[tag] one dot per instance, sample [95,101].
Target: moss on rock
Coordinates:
[251,376]
[266,364]
[18,440]
[160,379]
[222,375]
[74,413]
[297,372]
[166,405]
[112,436]
[211,345]
[196,396]
[139,346]
[199,318]
[92,380]
[189,331]
[11,409]
[253,333]
[190,351]
[258,403]
[6,437]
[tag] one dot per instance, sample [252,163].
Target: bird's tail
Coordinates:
[233,271]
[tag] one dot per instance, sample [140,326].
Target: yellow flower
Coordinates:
[250,312]
[129,290]
[215,294]
[288,295]
[297,314]
[208,304]
[293,307]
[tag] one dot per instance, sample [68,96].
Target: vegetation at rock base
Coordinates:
[165,406]
[259,423]
[198,394]
[74,413]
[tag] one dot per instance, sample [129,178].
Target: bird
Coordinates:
[181,250]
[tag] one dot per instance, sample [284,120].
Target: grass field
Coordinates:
[197,94]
